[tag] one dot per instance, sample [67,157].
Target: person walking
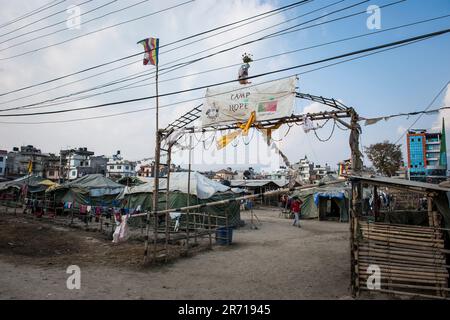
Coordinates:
[296,208]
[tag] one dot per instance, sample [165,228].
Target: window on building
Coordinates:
[127,168]
[1,159]
[119,167]
[1,170]
[111,167]
[412,140]
[418,139]
[74,173]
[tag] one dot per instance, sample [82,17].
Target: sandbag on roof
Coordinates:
[200,186]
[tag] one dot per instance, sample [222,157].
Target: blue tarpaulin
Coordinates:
[328,195]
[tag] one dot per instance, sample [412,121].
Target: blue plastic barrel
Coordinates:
[224,236]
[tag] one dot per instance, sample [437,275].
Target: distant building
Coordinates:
[427,155]
[3,156]
[305,170]
[145,170]
[320,172]
[17,161]
[77,162]
[225,174]
[53,168]
[99,164]
[117,167]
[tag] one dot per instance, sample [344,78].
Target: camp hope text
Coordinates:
[240,101]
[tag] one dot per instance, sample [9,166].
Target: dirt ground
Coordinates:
[276,261]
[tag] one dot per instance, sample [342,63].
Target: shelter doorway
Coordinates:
[329,209]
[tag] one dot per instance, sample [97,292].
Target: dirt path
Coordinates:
[277,261]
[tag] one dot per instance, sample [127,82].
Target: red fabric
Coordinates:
[296,206]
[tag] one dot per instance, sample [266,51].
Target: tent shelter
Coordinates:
[11,190]
[202,190]
[325,202]
[256,186]
[92,189]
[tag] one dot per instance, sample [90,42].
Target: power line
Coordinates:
[128,78]
[422,113]
[32,13]
[95,31]
[201,98]
[65,29]
[137,54]
[130,86]
[387,45]
[280,32]
[39,20]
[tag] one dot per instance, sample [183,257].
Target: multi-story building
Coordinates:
[427,155]
[53,168]
[305,170]
[77,162]
[225,174]
[117,167]
[320,172]
[3,156]
[18,160]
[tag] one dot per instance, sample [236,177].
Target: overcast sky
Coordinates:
[401,80]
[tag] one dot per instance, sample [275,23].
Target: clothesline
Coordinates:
[371,121]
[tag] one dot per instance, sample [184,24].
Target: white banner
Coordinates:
[231,104]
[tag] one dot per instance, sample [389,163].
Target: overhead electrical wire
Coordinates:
[201,98]
[221,51]
[428,107]
[39,20]
[32,13]
[116,68]
[95,31]
[39,105]
[65,28]
[383,46]
[140,53]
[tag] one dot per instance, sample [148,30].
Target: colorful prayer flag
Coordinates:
[151,47]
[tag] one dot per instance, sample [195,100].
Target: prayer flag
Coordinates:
[151,47]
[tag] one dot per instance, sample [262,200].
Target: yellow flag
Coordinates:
[226,139]
[30,166]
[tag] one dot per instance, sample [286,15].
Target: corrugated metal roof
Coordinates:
[401,182]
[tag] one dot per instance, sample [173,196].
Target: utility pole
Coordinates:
[355,131]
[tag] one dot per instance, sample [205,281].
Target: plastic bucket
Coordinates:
[224,236]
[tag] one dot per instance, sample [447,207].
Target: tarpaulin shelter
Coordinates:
[202,190]
[11,190]
[92,189]
[325,202]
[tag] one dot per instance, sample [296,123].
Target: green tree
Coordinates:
[386,157]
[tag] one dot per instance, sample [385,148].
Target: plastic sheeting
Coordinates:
[95,184]
[200,186]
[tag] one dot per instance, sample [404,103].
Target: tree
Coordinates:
[386,157]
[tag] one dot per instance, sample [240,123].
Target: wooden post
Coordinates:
[167,216]
[189,193]
[209,230]
[156,178]
[355,131]
[355,212]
